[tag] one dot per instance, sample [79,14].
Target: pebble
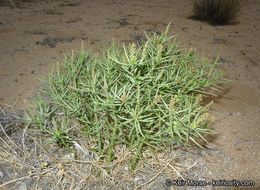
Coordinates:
[23,186]
[69,157]
[137,180]
[1,175]
[211,146]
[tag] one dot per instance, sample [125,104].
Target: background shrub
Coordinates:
[216,11]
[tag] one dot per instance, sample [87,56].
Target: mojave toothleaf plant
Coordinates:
[144,97]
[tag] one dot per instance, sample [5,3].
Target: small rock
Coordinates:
[218,41]
[44,164]
[122,21]
[52,42]
[137,37]
[137,180]
[23,186]
[185,28]
[70,156]
[1,175]
[77,19]
[37,32]
[221,60]
[69,4]
[211,146]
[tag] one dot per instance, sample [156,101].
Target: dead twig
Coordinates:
[149,181]
[48,154]
[22,178]
[13,142]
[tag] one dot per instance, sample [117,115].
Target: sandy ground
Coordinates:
[35,35]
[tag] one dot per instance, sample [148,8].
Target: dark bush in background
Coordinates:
[216,11]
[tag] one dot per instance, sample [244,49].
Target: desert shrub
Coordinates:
[143,97]
[216,11]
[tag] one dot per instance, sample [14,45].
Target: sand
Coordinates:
[35,35]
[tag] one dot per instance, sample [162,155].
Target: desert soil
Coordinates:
[34,36]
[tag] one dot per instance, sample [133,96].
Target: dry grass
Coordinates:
[24,158]
[217,11]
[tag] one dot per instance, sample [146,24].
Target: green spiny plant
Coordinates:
[144,97]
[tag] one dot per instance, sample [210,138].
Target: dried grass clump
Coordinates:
[216,11]
[24,158]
